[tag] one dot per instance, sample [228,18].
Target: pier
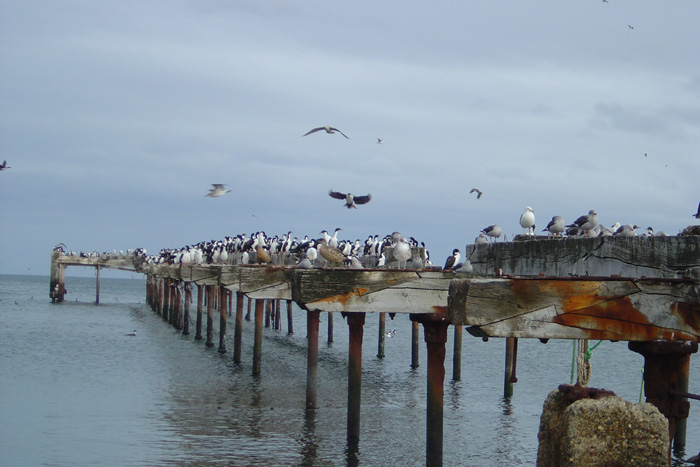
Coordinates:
[642,290]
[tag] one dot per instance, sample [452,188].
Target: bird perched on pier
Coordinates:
[330,253]
[452,260]
[350,199]
[556,226]
[477,191]
[481,238]
[697,214]
[464,267]
[493,231]
[4,166]
[627,230]
[328,129]
[527,220]
[217,191]
[586,223]
[402,251]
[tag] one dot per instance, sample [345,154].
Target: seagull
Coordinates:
[402,252]
[627,230]
[327,129]
[330,253]
[493,231]
[478,192]
[527,220]
[379,141]
[452,260]
[416,262]
[586,222]
[697,214]
[217,191]
[350,199]
[630,26]
[556,226]
[4,166]
[305,264]
[481,238]
[465,267]
[391,333]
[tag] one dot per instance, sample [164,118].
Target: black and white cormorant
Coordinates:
[350,199]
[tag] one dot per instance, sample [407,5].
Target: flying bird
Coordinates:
[4,166]
[630,26]
[350,199]
[217,191]
[379,141]
[327,129]
[697,214]
[478,192]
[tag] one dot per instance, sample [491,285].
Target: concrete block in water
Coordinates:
[601,432]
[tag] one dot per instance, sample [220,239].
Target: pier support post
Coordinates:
[166,299]
[97,285]
[200,305]
[290,321]
[257,339]
[435,328]
[238,329]
[312,326]
[664,363]
[382,335]
[223,301]
[330,328]
[511,358]
[210,315]
[415,344]
[679,435]
[356,323]
[457,355]
[186,318]
[177,306]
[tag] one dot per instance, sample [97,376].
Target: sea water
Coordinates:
[76,389]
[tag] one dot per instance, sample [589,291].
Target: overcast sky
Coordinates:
[117,116]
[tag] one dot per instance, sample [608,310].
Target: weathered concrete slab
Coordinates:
[584,308]
[676,256]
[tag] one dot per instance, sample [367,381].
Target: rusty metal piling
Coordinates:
[312,326]
[356,322]
[238,329]
[257,340]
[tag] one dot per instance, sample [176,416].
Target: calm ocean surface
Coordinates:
[76,390]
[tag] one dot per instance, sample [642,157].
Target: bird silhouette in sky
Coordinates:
[328,129]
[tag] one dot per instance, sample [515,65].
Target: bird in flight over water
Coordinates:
[4,166]
[350,199]
[328,129]
[217,191]
[478,192]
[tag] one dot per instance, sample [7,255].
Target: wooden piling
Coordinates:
[278,315]
[200,304]
[268,312]
[210,316]
[508,374]
[457,354]
[290,321]
[330,328]
[247,315]
[415,344]
[186,318]
[177,319]
[97,285]
[356,322]
[679,435]
[166,299]
[223,301]
[257,339]
[238,328]
[312,326]
[382,335]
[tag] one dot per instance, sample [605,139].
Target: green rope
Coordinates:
[589,352]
